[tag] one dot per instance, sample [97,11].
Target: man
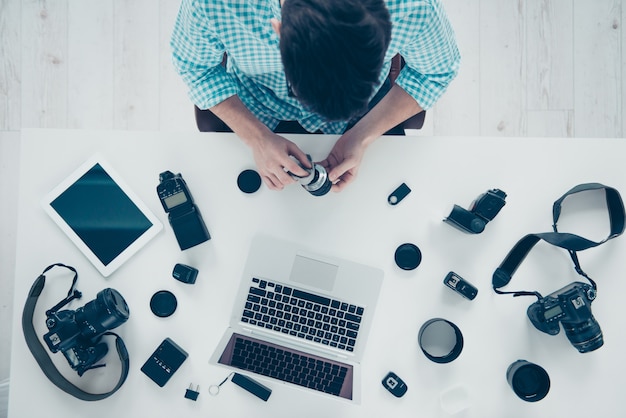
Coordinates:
[322,63]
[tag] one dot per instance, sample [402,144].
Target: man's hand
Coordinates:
[272,156]
[271,152]
[344,160]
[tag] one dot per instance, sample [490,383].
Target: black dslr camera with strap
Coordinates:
[77,334]
[570,305]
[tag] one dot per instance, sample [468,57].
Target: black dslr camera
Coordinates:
[570,306]
[78,333]
[182,212]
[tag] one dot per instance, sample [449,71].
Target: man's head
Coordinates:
[333,52]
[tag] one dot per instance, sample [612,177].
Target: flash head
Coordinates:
[481,211]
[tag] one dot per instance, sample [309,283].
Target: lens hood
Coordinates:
[441,341]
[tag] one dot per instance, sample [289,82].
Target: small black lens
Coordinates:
[586,336]
[529,381]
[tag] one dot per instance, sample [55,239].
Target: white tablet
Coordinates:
[101,215]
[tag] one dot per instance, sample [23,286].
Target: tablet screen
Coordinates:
[101,214]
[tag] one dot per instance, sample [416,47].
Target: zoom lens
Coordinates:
[586,336]
[107,311]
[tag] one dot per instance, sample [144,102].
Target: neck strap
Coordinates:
[570,242]
[41,355]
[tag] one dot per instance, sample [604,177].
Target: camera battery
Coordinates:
[460,285]
[184,273]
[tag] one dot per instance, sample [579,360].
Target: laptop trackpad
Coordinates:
[313,273]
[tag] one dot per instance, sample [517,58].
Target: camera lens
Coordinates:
[320,184]
[529,381]
[107,311]
[585,336]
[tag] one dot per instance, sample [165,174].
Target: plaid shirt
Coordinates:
[205,29]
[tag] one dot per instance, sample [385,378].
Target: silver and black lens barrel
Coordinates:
[316,181]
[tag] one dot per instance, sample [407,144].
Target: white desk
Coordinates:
[357,224]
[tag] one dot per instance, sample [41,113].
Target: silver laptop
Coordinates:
[301,319]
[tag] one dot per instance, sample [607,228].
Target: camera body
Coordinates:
[78,333]
[182,213]
[482,210]
[570,306]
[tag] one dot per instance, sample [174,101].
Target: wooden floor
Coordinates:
[530,68]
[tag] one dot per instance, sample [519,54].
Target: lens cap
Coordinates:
[529,381]
[163,303]
[408,256]
[249,181]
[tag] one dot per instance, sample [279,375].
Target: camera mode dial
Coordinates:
[591,293]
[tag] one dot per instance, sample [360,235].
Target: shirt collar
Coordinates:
[275,7]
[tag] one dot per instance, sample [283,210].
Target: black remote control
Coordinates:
[460,285]
[394,384]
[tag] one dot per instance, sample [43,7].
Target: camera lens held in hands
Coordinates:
[78,333]
[316,181]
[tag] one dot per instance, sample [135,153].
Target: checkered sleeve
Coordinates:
[197,55]
[432,57]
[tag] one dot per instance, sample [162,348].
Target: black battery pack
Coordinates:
[164,362]
[252,386]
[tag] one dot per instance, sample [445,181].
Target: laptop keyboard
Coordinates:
[289,366]
[302,314]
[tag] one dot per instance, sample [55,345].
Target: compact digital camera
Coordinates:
[78,333]
[570,306]
[316,181]
[182,213]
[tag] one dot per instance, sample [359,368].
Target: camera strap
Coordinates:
[40,353]
[570,242]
